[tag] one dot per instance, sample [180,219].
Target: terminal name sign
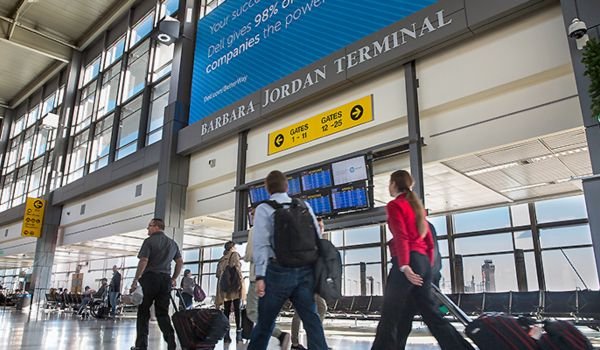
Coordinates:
[33,218]
[242,46]
[330,122]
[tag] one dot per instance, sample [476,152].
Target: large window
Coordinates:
[141,29]
[114,52]
[101,143]
[78,156]
[482,220]
[163,56]
[108,92]
[560,209]
[90,72]
[20,187]
[160,99]
[86,107]
[129,128]
[37,179]
[137,68]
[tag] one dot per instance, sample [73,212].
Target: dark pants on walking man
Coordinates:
[396,311]
[296,284]
[157,290]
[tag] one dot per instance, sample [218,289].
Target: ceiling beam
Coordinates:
[36,41]
[119,8]
[35,84]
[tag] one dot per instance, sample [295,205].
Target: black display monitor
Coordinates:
[258,194]
[349,170]
[350,197]
[294,185]
[320,203]
[315,179]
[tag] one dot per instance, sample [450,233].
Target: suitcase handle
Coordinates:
[178,292]
[452,307]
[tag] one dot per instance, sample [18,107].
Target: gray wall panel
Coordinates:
[588,12]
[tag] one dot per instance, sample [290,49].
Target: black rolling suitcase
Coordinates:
[199,328]
[247,325]
[499,332]
[491,331]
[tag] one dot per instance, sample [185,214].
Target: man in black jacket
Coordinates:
[115,290]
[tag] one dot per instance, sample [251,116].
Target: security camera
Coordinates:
[578,31]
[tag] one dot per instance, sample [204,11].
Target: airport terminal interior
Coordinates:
[116,112]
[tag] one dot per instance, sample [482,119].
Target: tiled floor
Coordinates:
[62,331]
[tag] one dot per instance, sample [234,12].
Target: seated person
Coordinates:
[103,289]
[87,298]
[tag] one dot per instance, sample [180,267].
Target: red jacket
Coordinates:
[406,238]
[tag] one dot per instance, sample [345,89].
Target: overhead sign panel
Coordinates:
[330,122]
[245,45]
[33,219]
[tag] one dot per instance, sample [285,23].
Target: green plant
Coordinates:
[591,60]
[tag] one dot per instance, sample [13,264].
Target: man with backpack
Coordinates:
[285,250]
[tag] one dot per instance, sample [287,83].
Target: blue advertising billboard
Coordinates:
[245,45]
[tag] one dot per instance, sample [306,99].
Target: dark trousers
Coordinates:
[236,312]
[296,284]
[157,289]
[398,299]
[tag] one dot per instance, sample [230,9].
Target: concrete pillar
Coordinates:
[589,12]
[521,270]
[173,170]
[45,249]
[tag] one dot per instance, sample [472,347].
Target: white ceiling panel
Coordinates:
[543,191]
[516,152]
[578,163]
[539,172]
[496,180]
[467,163]
[567,140]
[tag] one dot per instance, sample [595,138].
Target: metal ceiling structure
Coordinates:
[38,37]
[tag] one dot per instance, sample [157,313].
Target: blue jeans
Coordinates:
[296,284]
[112,298]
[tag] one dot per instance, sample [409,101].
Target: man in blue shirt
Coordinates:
[275,283]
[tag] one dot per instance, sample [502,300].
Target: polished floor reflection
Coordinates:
[56,330]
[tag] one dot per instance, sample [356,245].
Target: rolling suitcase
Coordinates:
[199,328]
[497,331]
[491,331]
[247,325]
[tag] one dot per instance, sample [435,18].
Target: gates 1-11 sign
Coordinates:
[323,124]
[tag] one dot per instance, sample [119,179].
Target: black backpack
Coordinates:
[230,279]
[295,235]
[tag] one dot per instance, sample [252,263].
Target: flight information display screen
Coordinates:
[258,194]
[320,203]
[294,185]
[329,188]
[349,197]
[316,178]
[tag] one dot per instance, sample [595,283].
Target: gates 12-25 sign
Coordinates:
[330,122]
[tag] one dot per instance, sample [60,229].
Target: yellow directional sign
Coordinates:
[335,120]
[33,218]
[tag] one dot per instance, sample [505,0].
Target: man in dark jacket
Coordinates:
[115,290]
[405,327]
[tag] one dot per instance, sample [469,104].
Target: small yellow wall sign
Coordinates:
[33,219]
[323,124]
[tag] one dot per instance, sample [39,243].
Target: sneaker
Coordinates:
[298,347]
[238,336]
[285,341]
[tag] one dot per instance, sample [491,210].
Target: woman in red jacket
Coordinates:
[409,280]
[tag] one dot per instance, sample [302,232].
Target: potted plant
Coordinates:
[591,60]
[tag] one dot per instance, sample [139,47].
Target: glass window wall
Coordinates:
[129,128]
[160,99]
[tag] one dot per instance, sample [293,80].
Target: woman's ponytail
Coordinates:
[417,207]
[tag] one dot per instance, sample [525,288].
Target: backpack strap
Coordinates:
[274,204]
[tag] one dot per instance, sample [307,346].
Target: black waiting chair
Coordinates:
[526,303]
[471,304]
[361,304]
[588,304]
[376,305]
[560,304]
[496,302]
